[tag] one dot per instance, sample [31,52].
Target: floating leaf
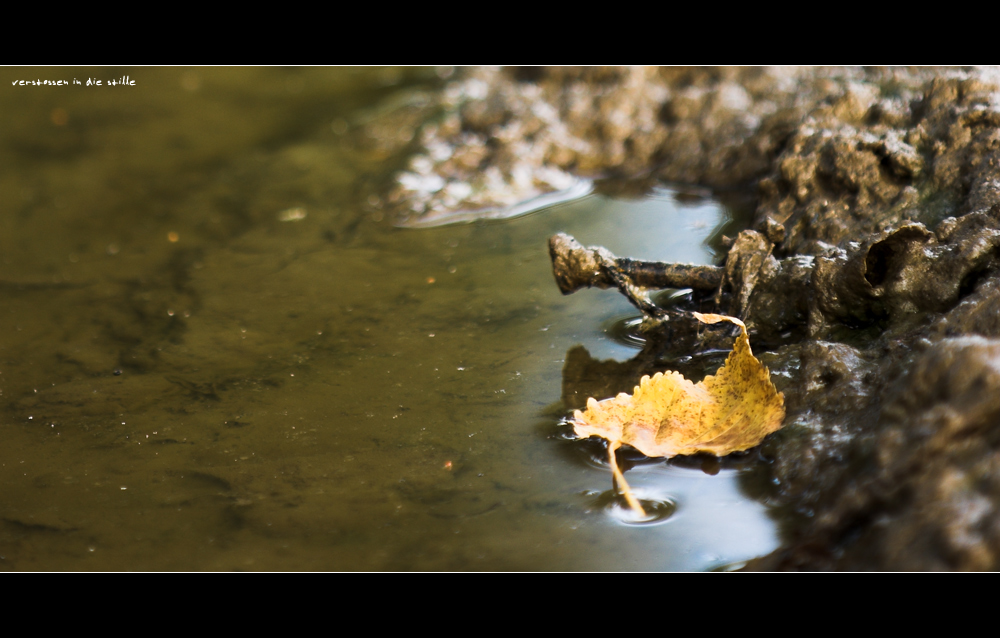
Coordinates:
[668,415]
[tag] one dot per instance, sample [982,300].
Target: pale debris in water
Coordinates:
[292,215]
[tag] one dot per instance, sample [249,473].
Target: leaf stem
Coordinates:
[620,481]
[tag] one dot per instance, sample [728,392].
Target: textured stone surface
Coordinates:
[873,282]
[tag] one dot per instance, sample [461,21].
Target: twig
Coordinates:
[576,267]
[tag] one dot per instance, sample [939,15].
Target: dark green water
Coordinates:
[193,378]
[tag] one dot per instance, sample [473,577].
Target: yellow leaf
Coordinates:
[668,415]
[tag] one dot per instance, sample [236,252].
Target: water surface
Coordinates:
[218,353]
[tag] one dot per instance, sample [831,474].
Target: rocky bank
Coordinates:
[870,279]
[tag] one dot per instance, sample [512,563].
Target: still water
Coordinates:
[217,353]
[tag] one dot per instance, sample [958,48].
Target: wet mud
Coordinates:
[869,279]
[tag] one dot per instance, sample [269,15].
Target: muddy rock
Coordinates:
[863,161]
[871,283]
[828,148]
[901,274]
[507,135]
[925,496]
